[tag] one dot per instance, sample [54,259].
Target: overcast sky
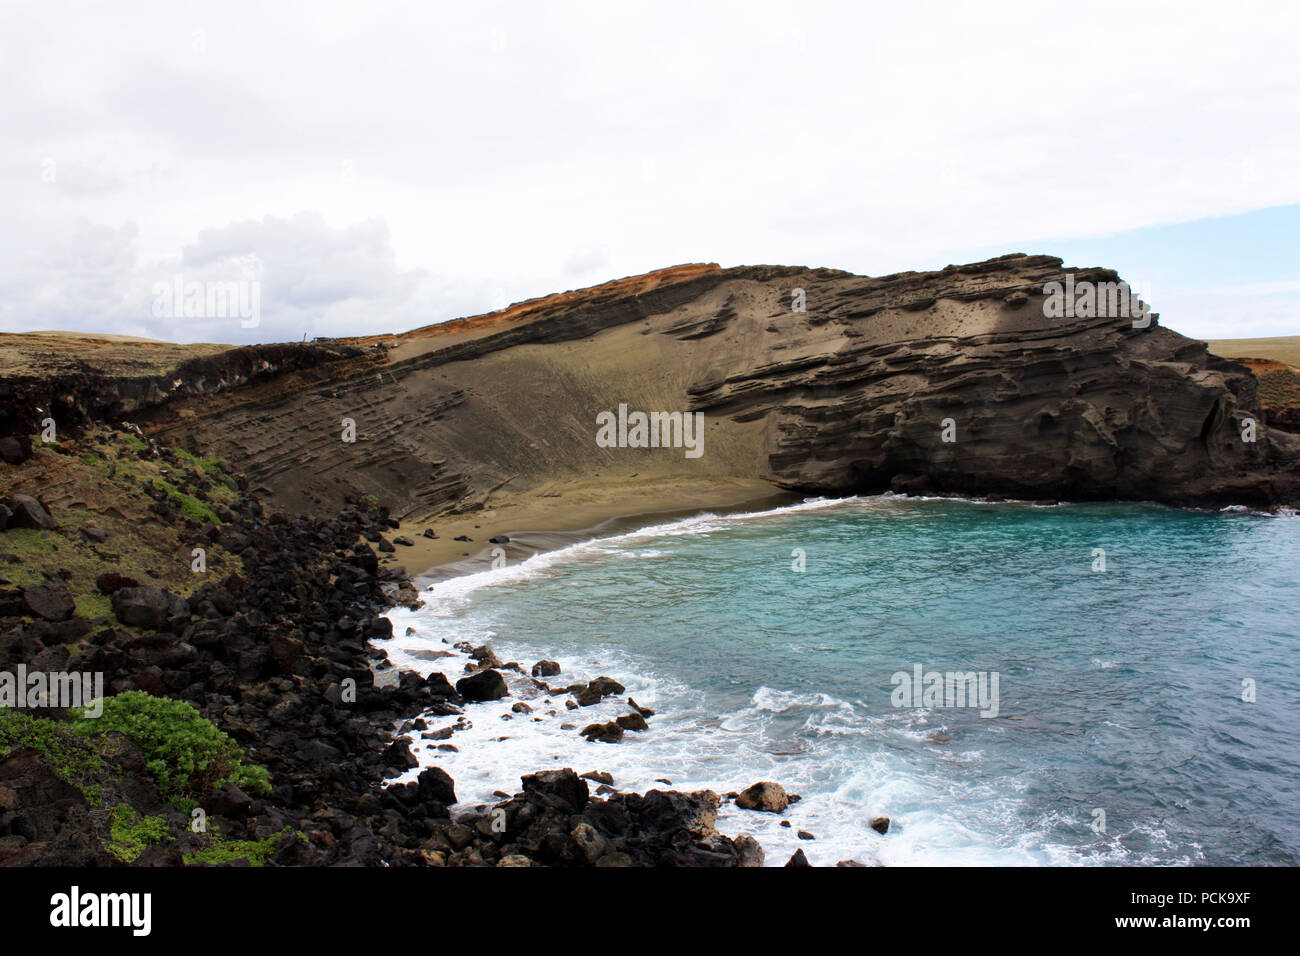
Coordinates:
[382,166]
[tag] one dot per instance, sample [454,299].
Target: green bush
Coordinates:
[187,754]
[227,851]
[130,832]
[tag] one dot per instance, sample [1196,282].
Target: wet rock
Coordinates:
[632,722]
[609,733]
[751,852]
[545,669]
[643,711]
[435,785]
[482,686]
[484,656]
[598,776]
[805,835]
[563,789]
[597,690]
[880,824]
[766,796]
[798,859]
[398,756]
[498,539]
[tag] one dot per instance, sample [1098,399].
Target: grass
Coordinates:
[1284,348]
[140,545]
[190,506]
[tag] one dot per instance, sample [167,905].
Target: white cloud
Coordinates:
[523,147]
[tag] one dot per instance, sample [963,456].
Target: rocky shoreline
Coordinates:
[278,656]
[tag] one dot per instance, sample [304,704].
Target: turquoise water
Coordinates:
[1119,690]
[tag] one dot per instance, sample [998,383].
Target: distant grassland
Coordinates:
[1284,348]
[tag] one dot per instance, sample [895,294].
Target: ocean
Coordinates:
[1139,666]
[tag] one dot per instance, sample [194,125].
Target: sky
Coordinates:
[373,167]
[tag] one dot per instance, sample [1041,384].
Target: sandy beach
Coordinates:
[552,516]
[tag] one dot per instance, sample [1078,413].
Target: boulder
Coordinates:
[597,690]
[632,722]
[798,859]
[50,602]
[110,582]
[610,733]
[398,756]
[751,852]
[29,513]
[436,786]
[485,656]
[483,685]
[766,796]
[14,451]
[560,788]
[880,825]
[148,607]
[545,669]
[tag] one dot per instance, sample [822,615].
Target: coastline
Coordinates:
[553,516]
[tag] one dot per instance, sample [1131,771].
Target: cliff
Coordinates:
[950,381]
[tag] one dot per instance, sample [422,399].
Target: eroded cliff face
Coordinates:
[948,381]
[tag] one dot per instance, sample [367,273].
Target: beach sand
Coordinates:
[552,517]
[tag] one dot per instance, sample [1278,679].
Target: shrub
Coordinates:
[130,832]
[187,754]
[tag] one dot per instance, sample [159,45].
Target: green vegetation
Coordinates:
[210,465]
[92,605]
[75,757]
[134,441]
[227,851]
[187,754]
[190,506]
[130,833]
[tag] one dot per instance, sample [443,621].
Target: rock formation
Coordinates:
[950,381]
